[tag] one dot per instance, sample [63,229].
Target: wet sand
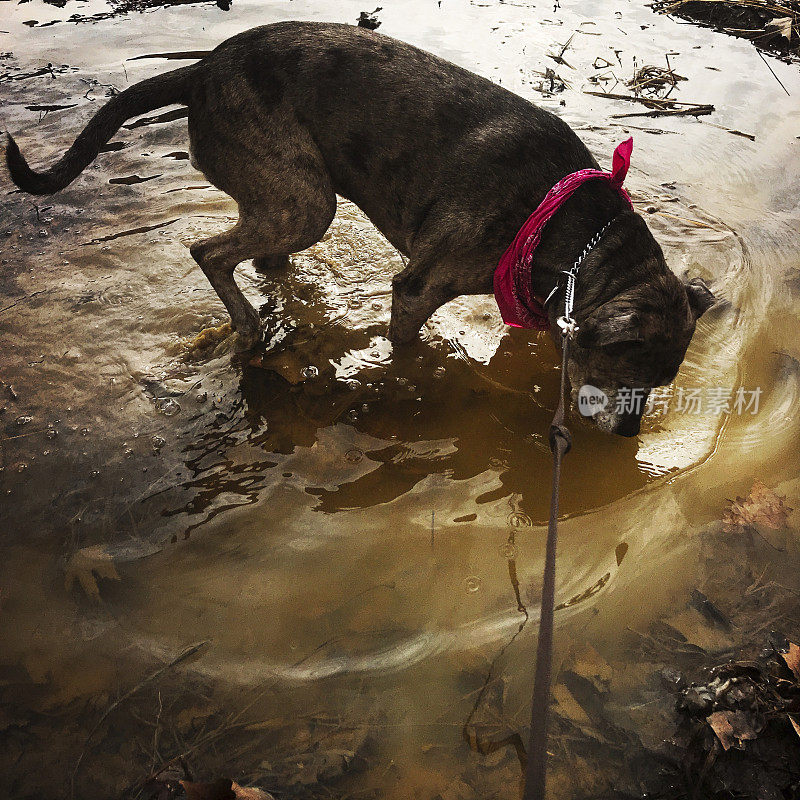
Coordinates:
[350,544]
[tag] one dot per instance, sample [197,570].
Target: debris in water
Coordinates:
[654,81]
[773,25]
[369,20]
[87,565]
[761,507]
[208,338]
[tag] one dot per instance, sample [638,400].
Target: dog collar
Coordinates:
[513,292]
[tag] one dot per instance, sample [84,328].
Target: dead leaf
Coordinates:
[590,665]
[781,26]
[220,789]
[250,793]
[87,563]
[223,789]
[761,507]
[792,659]
[732,728]
[568,707]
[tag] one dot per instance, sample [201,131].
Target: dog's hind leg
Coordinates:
[271,166]
[218,258]
[255,236]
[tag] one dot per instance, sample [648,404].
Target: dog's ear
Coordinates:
[699,295]
[602,330]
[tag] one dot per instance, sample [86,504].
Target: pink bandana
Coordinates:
[512,278]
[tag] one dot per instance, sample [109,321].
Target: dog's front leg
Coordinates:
[416,294]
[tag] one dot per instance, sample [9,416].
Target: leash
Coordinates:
[560,445]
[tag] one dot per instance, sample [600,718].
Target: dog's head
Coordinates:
[636,319]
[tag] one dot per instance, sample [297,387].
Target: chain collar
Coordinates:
[567,323]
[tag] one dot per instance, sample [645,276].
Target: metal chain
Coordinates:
[566,322]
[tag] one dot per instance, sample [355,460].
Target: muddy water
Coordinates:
[356,532]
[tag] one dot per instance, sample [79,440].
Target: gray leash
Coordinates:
[560,445]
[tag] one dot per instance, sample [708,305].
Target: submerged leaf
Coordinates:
[88,564]
[733,728]
[761,507]
[223,789]
[792,659]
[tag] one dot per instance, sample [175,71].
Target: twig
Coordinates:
[696,111]
[182,656]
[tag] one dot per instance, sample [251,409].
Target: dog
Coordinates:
[446,164]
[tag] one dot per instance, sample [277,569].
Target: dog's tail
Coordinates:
[161,90]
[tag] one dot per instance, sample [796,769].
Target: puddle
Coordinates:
[356,533]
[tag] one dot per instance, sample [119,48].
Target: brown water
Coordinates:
[351,545]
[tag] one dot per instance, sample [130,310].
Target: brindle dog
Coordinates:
[446,164]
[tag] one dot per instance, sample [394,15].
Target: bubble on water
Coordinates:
[52,433]
[201,397]
[376,353]
[95,473]
[23,420]
[402,381]
[353,384]
[43,233]
[518,519]
[411,387]
[377,305]
[472,584]
[309,372]
[354,455]
[128,452]
[462,333]
[353,415]
[439,372]
[365,407]
[508,550]
[158,442]
[20,466]
[85,431]
[45,452]
[167,406]
[354,302]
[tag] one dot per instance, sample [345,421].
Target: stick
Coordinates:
[182,656]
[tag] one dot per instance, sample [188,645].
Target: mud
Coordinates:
[351,535]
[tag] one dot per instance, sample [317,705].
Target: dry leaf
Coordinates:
[215,790]
[761,507]
[732,728]
[223,789]
[250,793]
[792,659]
[782,26]
[87,563]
